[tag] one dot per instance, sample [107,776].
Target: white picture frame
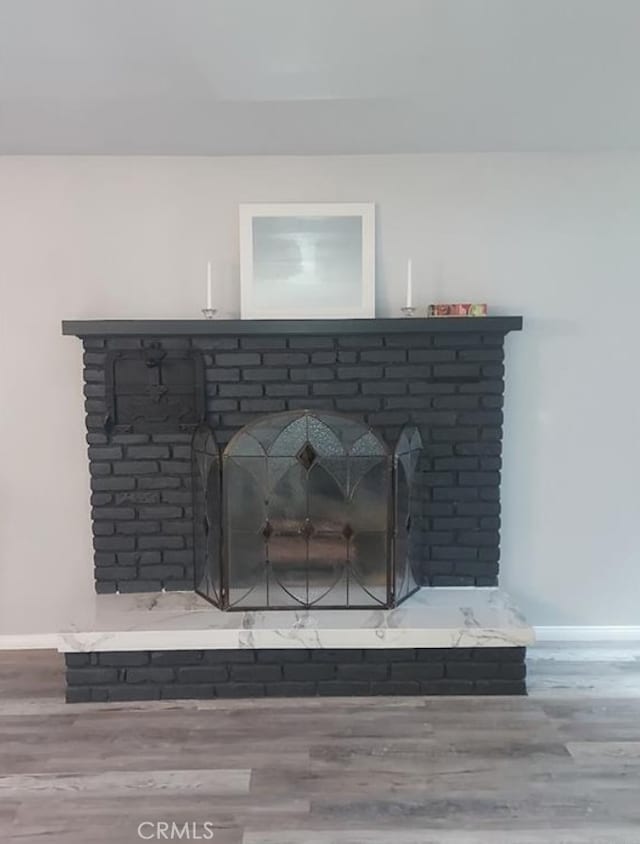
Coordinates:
[307,260]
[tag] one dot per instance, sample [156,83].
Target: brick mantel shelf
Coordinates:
[238,327]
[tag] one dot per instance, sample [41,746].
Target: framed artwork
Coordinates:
[307,260]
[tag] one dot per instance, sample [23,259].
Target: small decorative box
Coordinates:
[475,310]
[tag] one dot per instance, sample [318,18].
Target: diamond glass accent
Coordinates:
[307,455]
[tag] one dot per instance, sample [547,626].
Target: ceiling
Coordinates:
[207,77]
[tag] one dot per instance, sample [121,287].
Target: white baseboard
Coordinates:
[29,641]
[595,633]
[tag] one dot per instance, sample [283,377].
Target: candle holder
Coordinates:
[209,313]
[408,311]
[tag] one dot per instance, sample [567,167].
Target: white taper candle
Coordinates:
[409,284]
[209,299]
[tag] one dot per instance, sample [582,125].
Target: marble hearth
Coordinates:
[447,641]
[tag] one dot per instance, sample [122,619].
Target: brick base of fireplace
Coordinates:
[296,672]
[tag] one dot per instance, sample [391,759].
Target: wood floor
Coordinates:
[560,767]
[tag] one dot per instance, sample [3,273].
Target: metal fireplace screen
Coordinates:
[307,510]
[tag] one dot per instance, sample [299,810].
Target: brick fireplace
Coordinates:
[167,404]
[443,376]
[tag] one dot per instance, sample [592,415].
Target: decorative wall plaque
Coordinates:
[153,389]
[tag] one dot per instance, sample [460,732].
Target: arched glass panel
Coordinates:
[406,460]
[307,515]
[206,514]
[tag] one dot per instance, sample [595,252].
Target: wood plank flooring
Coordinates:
[560,767]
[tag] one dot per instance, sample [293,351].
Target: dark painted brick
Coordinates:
[285,689]
[237,359]
[447,687]
[389,655]
[78,694]
[182,497]
[485,386]
[431,388]
[309,671]
[150,674]
[364,404]
[133,692]
[481,417]
[335,388]
[431,355]
[359,372]
[287,390]
[479,478]
[286,359]
[98,470]
[311,342]
[383,356]
[335,655]
[495,354]
[477,448]
[499,687]
[160,511]
[120,513]
[138,528]
[408,371]
[382,388]
[471,670]
[105,588]
[454,434]
[162,543]
[229,656]
[264,374]
[136,467]
[453,552]
[130,439]
[362,671]
[147,452]
[184,557]
[264,342]
[255,673]
[76,660]
[342,688]
[285,655]
[479,537]
[123,659]
[396,687]
[139,586]
[262,405]
[114,543]
[106,452]
[417,670]
[203,674]
[158,483]
[94,676]
[220,376]
[178,658]
[188,691]
[240,690]
[318,373]
[358,341]
[241,390]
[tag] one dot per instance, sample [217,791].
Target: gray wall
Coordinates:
[553,238]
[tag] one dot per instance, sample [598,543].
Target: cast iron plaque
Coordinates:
[152,390]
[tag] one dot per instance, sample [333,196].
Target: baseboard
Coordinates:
[594,633]
[29,641]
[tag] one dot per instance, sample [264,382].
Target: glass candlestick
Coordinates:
[408,311]
[209,313]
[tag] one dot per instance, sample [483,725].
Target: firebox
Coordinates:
[305,509]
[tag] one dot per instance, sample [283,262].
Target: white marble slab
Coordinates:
[432,618]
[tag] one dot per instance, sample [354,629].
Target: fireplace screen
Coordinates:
[310,509]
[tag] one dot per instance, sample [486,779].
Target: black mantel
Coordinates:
[239,327]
